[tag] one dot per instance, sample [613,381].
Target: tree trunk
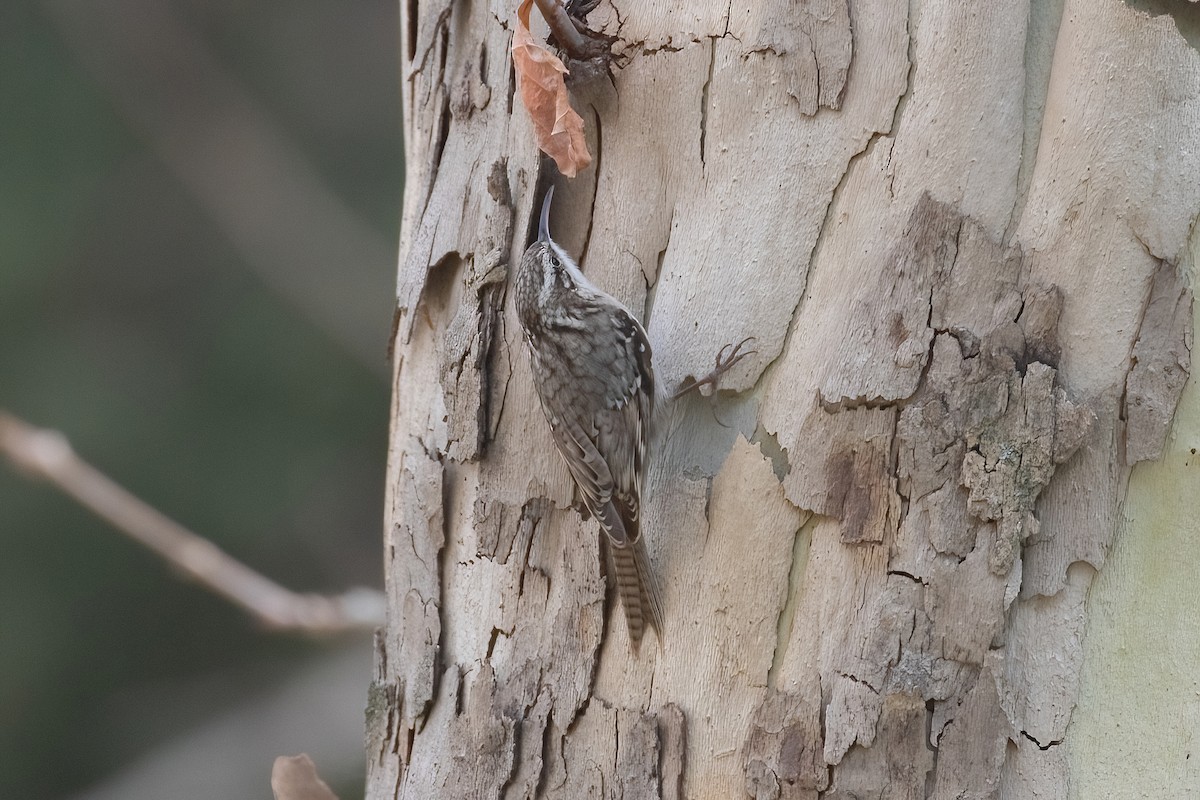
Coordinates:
[962,234]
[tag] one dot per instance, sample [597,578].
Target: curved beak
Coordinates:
[544,220]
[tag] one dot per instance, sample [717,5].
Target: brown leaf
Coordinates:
[295,778]
[540,74]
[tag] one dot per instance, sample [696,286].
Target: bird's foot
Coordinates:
[730,355]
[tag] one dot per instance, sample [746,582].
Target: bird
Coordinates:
[592,367]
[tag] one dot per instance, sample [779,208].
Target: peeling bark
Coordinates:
[1162,360]
[782,752]
[963,245]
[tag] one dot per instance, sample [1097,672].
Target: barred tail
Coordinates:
[638,590]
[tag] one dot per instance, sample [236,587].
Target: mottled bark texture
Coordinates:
[962,235]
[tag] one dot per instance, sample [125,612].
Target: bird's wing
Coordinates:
[600,416]
[598,398]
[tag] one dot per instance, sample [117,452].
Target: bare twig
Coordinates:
[47,455]
[574,37]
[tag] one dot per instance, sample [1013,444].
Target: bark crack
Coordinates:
[855,679]
[704,98]
[822,233]
[908,575]
[439,26]
[599,156]
[1039,745]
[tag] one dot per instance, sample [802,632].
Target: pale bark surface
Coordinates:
[962,235]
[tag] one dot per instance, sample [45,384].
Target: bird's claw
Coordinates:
[727,358]
[735,354]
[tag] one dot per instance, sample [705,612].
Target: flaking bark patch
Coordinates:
[475,287]
[783,750]
[862,491]
[1161,364]
[887,348]
[415,545]
[978,427]
[864,770]
[672,736]
[474,736]
[817,38]
[1012,457]
[501,528]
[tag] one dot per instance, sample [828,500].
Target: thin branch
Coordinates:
[46,454]
[573,36]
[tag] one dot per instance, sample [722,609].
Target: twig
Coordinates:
[47,455]
[582,44]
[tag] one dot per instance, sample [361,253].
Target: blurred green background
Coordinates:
[199,205]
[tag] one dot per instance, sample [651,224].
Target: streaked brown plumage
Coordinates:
[592,368]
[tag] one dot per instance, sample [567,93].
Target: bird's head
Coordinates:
[545,273]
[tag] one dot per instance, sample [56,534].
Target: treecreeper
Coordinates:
[592,367]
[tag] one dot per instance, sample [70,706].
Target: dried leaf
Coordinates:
[295,778]
[540,74]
